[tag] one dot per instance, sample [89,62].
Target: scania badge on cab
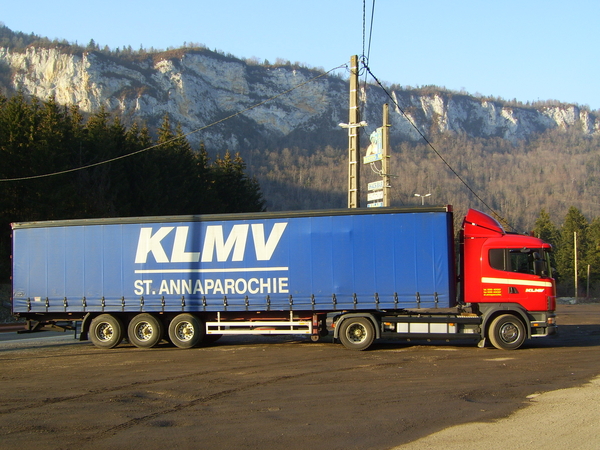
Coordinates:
[382,273]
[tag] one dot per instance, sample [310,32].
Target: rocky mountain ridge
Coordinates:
[198,87]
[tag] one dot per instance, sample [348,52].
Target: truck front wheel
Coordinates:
[507,332]
[185,331]
[145,331]
[106,331]
[357,333]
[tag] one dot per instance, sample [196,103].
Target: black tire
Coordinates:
[186,331]
[357,333]
[507,332]
[145,331]
[106,331]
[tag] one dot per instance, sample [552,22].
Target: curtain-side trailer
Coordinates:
[374,273]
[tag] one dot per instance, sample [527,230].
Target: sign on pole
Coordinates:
[375,185]
[377,195]
[379,191]
[375,150]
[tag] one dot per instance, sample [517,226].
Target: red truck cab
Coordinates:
[505,273]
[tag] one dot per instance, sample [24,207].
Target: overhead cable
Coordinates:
[433,148]
[370,30]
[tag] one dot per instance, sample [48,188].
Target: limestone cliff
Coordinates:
[199,87]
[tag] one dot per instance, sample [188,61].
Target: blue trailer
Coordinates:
[191,279]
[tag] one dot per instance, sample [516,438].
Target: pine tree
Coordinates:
[138,167]
[205,199]
[236,192]
[593,255]
[176,177]
[53,146]
[545,228]
[547,232]
[102,142]
[575,224]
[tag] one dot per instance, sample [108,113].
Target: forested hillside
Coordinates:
[554,170]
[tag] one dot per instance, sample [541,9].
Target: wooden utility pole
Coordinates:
[575,255]
[385,162]
[353,138]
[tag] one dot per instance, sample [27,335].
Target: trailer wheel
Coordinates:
[357,333]
[186,331]
[507,332]
[106,331]
[145,331]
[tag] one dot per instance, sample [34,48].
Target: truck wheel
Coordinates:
[186,331]
[106,331]
[507,332]
[145,331]
[357,333]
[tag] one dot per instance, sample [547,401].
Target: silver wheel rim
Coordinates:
[509,333]
[144,331]
[356,333]
[104,331]
[184,331]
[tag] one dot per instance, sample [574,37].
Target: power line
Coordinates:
[365,57]
[434,149]
[370,30]
[364,28]
[33,177]
[366,48]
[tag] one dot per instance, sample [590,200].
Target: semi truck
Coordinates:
[361,274]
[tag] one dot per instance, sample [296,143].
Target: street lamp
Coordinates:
[422,197]
[353,125]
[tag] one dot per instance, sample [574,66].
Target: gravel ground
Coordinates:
[567,418]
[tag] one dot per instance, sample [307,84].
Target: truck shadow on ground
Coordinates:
[569,336]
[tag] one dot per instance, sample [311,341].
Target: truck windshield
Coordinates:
[535,261]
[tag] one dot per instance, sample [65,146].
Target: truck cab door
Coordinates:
[516,274]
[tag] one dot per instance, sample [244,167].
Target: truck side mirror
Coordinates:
[539,265]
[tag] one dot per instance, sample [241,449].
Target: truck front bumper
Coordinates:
[543,328]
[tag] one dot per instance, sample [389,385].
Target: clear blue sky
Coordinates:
[524,49]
